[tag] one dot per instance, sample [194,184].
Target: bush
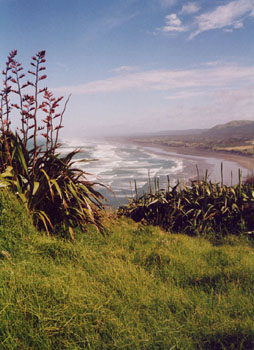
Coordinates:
[203,207]
[56,193]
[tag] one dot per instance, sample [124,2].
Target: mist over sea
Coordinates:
[117,165]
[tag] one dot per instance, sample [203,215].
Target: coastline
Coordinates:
[203,160]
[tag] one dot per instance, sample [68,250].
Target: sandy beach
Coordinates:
[203,160]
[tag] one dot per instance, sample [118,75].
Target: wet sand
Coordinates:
[196,162]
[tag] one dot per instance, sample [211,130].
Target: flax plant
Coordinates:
[56,193]
[202,207]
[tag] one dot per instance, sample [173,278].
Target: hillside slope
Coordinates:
[241,129]
[235,129]
[139,288]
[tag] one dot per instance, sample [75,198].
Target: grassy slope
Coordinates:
[140,288]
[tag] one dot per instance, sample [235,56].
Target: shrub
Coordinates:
[202,207]
[56,193]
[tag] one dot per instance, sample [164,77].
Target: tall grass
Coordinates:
[138,289]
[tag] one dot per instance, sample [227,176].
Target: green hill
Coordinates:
[233,124]
[138,288]
[234,129]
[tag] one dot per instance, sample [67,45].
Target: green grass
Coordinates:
[139,288]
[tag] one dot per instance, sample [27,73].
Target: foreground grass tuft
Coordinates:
[139,288]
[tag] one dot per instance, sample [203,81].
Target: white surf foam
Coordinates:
[117,164]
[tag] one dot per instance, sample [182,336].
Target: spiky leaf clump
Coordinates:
[56,193]
[201,207]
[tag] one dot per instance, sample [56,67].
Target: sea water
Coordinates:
[118,166]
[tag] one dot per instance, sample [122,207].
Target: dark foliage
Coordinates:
[202,207]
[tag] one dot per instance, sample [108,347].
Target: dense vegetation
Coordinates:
[139,288]
[200,208]
[57,194]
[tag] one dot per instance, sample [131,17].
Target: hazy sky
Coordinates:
[139,65]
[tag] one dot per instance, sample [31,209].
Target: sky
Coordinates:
[139,65]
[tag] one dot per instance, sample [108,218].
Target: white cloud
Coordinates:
[230,15]
[238,25]
[167,80]
[168,3]
[190,8]
[168,28]
[173,20]
[125,69]
[182,95]
[213,63]
[173,24]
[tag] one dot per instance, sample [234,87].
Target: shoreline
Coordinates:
[203,160]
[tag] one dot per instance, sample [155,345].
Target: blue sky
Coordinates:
[139,65]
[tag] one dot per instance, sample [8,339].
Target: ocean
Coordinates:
[118,165]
